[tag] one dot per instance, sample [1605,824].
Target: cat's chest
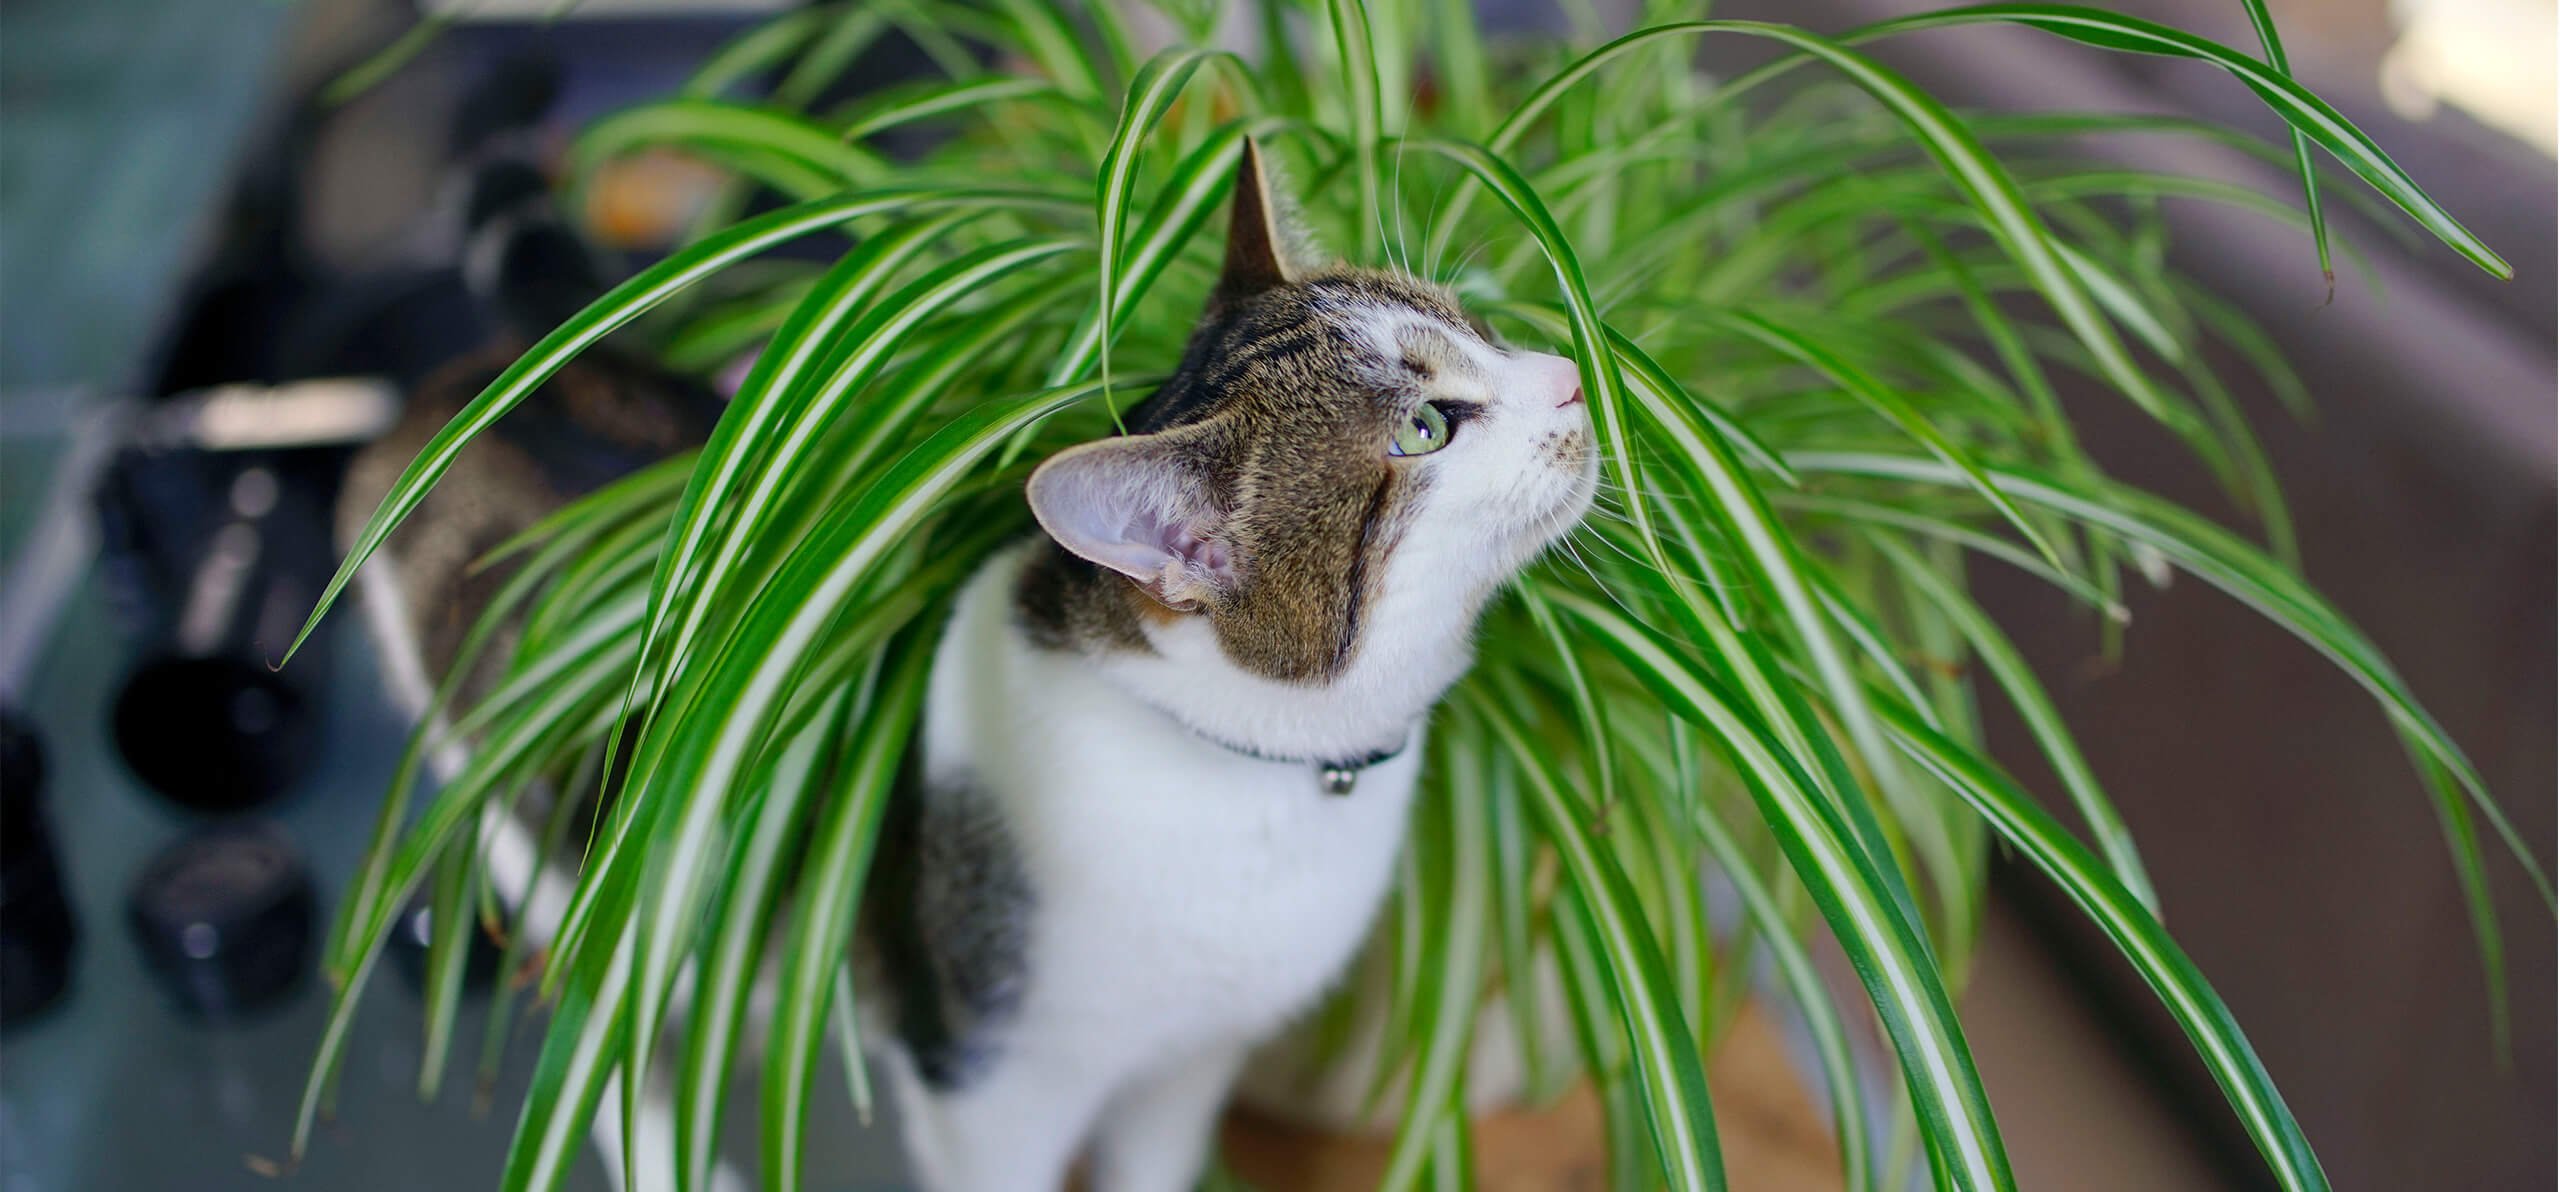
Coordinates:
[1191,897]
[1242,864]
[1201,880]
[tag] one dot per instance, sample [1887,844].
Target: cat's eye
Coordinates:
[1426,431]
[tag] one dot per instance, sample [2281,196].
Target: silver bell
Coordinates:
[1337,780]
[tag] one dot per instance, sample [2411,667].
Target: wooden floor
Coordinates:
[1774,1138]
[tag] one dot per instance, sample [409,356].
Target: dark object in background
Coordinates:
[414,931]
[224,920]
[510,100]
[37,932]
[215,734]
[217,557]
[526,266]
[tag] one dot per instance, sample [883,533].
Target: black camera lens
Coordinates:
[224,919]
[215,734]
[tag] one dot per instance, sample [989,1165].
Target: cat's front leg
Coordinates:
[1155,1134]
[1014,1127]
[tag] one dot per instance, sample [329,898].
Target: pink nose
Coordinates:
[1555,377]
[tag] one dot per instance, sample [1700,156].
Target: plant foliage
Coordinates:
[1822,319]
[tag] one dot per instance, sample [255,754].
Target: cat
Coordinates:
[1169,744]
[1170,741]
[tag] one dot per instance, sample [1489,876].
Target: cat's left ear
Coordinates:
[1257,234]
[1137,504]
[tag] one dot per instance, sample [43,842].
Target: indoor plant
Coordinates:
[1827,374]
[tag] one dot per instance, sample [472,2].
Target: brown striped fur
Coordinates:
[600,418]
[1276,419]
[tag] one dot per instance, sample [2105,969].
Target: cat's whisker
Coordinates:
[1606,588]
[1469,259]
[1647,563]
[1378,216]
[1395,189]
[1607,498]
[1612,515]
[1624,553]
[1565,546]
[1651,330]
[1430,226]
[1562,544]
[1608,488]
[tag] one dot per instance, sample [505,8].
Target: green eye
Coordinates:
[1423,433]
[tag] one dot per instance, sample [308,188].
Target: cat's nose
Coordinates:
[1554,379]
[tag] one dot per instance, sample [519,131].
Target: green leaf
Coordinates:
[1664,1054]
[2009,669]
[2228,563]
[1882,941]
[1356,42]
[364,76]
[793,154]
[775,421]
[838,857]
[624,303]
[449,920]
[758,49]
[1771,277]
[570,1080]
[677,887]
[2310,117]
[2137,933]
[1804,985]
[1798,346]
[1446,1025]
[902,106]
[355,909]
[528,734]
[780,415]
[729,964]
[1158,84]
[1042,31]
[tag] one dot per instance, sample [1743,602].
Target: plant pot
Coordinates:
[1772,1134]
[1303,1117]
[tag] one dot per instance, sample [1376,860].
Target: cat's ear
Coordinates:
[1257,235]
[1137,505]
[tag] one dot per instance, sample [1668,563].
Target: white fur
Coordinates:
[1189,899]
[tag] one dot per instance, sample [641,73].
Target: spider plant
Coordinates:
[1822,319]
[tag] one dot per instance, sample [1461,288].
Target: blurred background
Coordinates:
[218,274]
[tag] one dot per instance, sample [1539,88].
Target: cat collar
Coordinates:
[1338,777]
[1334,776]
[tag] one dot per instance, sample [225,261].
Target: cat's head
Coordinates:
[1344,462]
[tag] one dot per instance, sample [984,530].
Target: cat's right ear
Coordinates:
[1134,504]
[1257,244]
